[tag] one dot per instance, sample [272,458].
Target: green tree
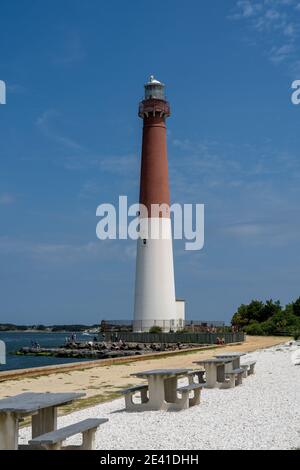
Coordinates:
[296,307]
[269,318]
[270,308]
[284,322]
[255,312]
[247,314]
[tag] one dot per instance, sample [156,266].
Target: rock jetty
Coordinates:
[102,350]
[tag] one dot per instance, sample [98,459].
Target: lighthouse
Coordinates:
[155,302]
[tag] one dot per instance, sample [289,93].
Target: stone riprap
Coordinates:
[95,350]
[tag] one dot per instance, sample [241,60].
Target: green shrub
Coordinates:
[268,328]
[255,329]
[155,329]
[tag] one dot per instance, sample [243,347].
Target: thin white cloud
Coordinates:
[213,161]
[246,9]
[65,253]
[16,88]
[115,164]
[282,53]
[47,123]
[277,21]
[6,199]
[71,51]
[263,183]
[246,229]
[265,232]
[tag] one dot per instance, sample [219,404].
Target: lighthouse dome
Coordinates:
[154,89]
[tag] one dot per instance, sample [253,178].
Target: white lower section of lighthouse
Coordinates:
[155,301]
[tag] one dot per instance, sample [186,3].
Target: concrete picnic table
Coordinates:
[41,406]
[234,356]
[215,370]
[162,387]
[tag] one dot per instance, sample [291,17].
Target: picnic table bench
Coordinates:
[41,406]
[196,373]
[215,370]
[185,392]
[248,368]
[131,391]
[234,356]
[54,440]
[233,378]
[161,392]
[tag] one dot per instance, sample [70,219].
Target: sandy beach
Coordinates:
[102,383]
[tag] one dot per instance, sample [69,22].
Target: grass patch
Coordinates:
[88,402]
[120,364]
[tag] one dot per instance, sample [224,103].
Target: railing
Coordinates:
[194,326]
[187,338]
[154,105]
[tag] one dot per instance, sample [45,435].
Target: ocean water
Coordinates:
[15,341]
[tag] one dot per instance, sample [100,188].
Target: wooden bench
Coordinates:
[130,392]
[53,440]
[185,392]
[248,368]
[198,373]
[233,378]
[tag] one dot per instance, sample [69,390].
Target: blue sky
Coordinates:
[70,139]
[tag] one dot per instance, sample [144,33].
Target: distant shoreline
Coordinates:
[6,327]
[42,331]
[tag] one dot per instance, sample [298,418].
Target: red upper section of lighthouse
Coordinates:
[154,106]
[154,188]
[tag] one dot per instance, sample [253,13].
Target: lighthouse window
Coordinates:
[144,241]
[154,91]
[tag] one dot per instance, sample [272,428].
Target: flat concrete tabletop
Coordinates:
[31,402]
[161,372]
[233,354]
[215,360]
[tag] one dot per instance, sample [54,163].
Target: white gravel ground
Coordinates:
[263,413]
